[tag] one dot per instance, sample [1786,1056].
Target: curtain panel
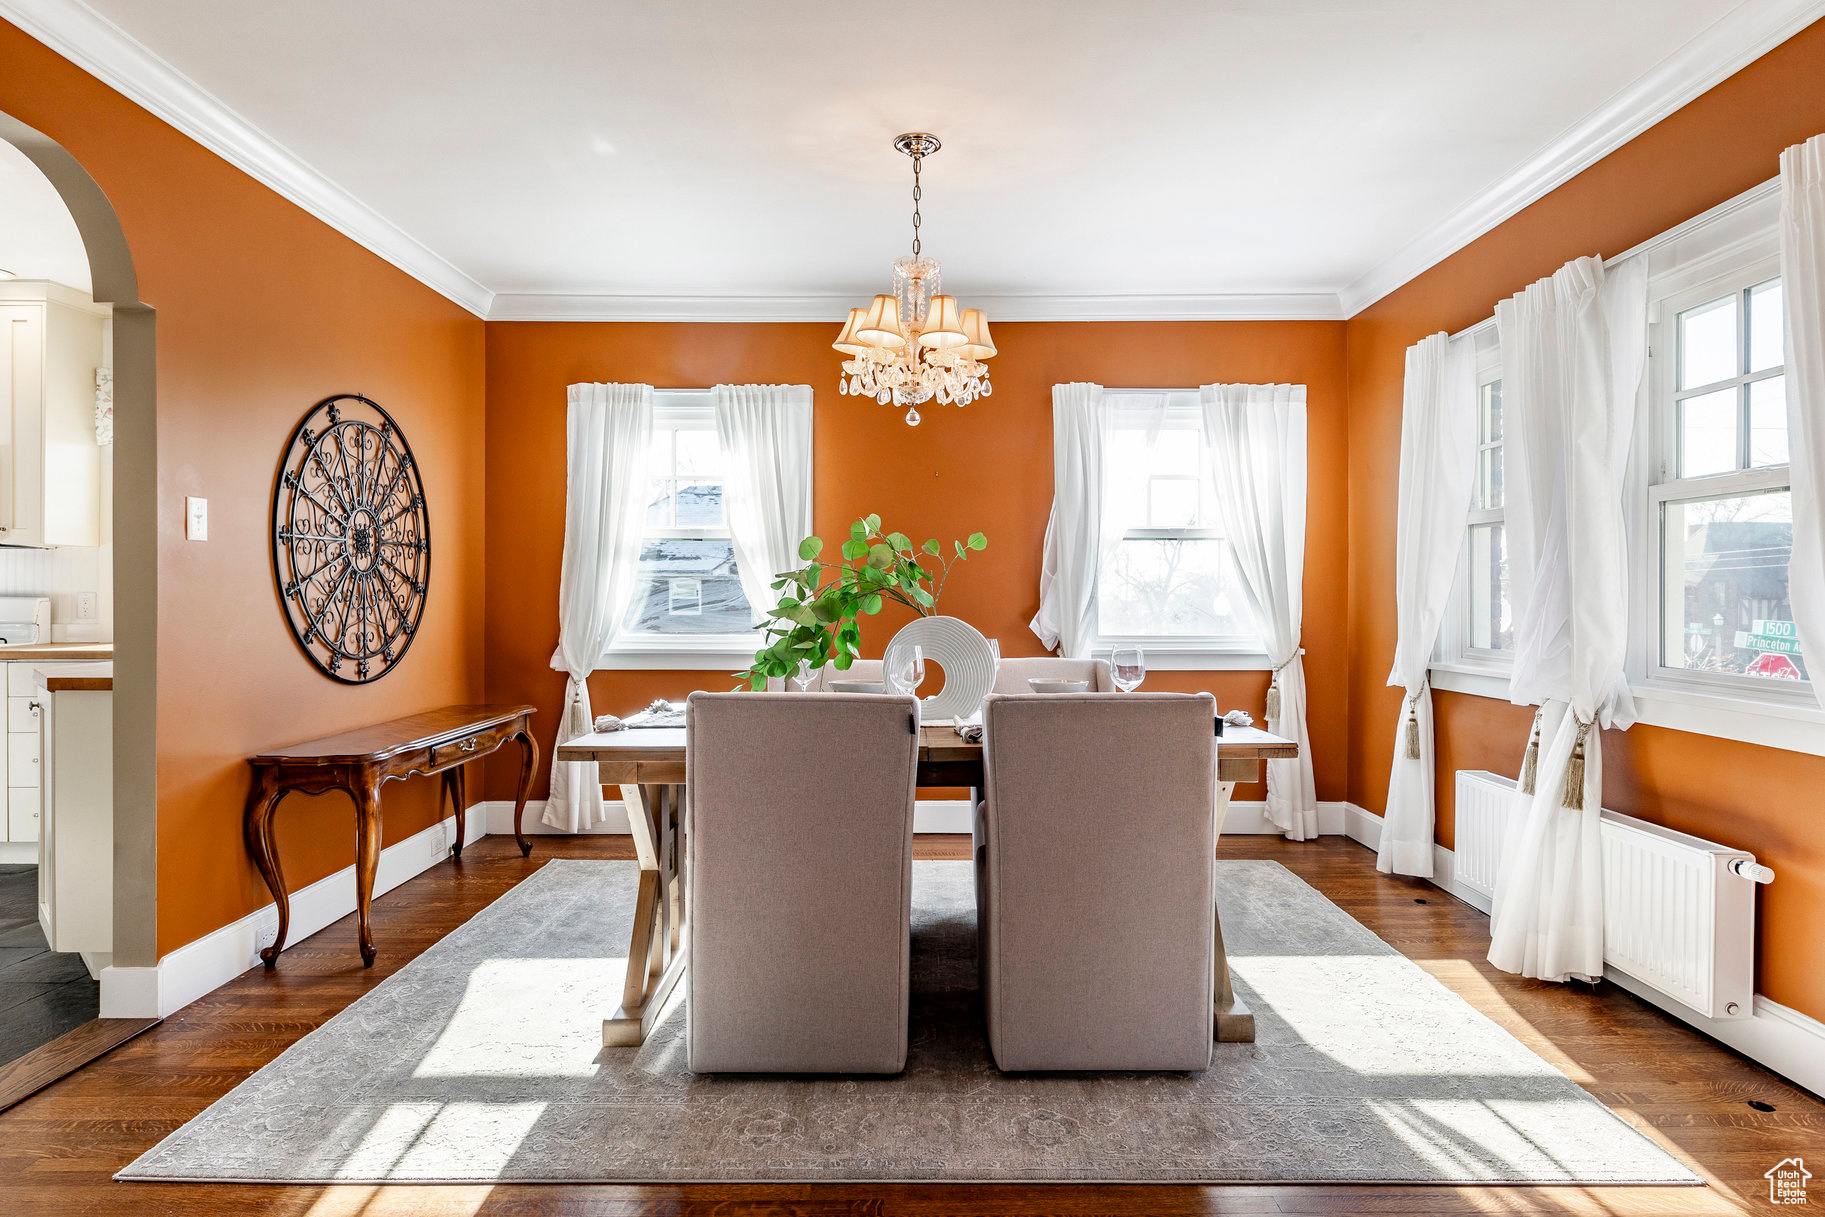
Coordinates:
[609,431]
[1066,621]
[765,432]
[1803,281]
[1257,436]
[1573,349]
[1438,439]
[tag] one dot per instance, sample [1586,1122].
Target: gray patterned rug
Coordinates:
[482,1060]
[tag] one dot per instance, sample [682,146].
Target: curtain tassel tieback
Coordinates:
[1574,768]
[1413,726]
[1530,760]
[1273,687]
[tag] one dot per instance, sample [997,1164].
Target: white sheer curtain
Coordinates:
[1803,282]
[1257,444]
[1066,620]
[610,429]
[1573,348]
[1438,434]
[765,432]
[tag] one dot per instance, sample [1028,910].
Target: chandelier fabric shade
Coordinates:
[881,325]
[916,344]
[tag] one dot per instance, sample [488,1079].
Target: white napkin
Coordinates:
[661,713]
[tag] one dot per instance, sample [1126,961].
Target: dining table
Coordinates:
[647,764]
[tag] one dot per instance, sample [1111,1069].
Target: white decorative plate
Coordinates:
[957,647]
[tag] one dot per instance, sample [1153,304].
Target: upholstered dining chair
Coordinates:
[799,895]
[1095,860]
[1011,675]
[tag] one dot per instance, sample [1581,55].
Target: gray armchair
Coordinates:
[1096,901]
[799,893]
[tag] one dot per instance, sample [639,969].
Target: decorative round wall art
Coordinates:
[351,539]
[960,649]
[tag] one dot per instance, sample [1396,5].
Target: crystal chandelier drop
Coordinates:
[915,345]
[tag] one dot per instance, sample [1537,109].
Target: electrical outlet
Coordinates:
[85,606]
[196,518]
[265,930]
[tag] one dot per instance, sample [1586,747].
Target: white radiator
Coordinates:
[1678,911]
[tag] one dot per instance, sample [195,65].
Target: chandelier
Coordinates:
[915,345]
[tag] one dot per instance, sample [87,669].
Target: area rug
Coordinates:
[482,1061]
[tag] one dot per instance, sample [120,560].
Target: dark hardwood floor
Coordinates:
[59,1148]
[42,993]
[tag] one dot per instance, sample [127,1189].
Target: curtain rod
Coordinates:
[1729,207]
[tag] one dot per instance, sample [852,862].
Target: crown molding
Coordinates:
[1733,42]
[832,308]
[105,51]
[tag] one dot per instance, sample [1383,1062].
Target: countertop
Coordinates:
[77,678]
[57,650]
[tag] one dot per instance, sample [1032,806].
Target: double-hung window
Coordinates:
[1719,513]
[1478,632]
[1167,580]
[688,607]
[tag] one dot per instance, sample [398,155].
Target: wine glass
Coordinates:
[801,679]
[1129,665]
[912,670]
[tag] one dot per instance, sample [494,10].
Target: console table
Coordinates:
[357,762]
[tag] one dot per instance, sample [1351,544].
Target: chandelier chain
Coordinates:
[917,194]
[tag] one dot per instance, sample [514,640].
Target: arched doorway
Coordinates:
[135,559]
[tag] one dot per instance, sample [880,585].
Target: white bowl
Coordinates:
[855,686]
[1058,686]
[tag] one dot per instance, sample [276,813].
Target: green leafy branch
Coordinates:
[817,620]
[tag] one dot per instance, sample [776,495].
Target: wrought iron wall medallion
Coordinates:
[351,539]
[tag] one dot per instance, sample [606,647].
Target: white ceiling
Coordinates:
[38,237]
[722,148]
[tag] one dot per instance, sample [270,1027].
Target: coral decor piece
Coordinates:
[816,622]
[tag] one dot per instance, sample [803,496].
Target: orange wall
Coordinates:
[986,467]
[262,310]
[1755,798]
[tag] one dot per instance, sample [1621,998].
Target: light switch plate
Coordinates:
[196,518]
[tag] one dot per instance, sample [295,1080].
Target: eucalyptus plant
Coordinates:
[817,620]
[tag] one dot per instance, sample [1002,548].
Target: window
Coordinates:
[687,586]
[1477,634]
[1168,578]
[1719,512]
[1489,628]
[1711,646]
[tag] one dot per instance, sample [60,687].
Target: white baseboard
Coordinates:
[18,853]
[498,817]
[1786,1041]
[929,816]
[218,957]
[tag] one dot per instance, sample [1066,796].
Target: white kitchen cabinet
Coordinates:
[22,715]
[22,759]
[22,810]
[51,343]
[22,767]
[76,842]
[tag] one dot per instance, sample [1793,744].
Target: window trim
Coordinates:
[684,652]
[1179,652]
